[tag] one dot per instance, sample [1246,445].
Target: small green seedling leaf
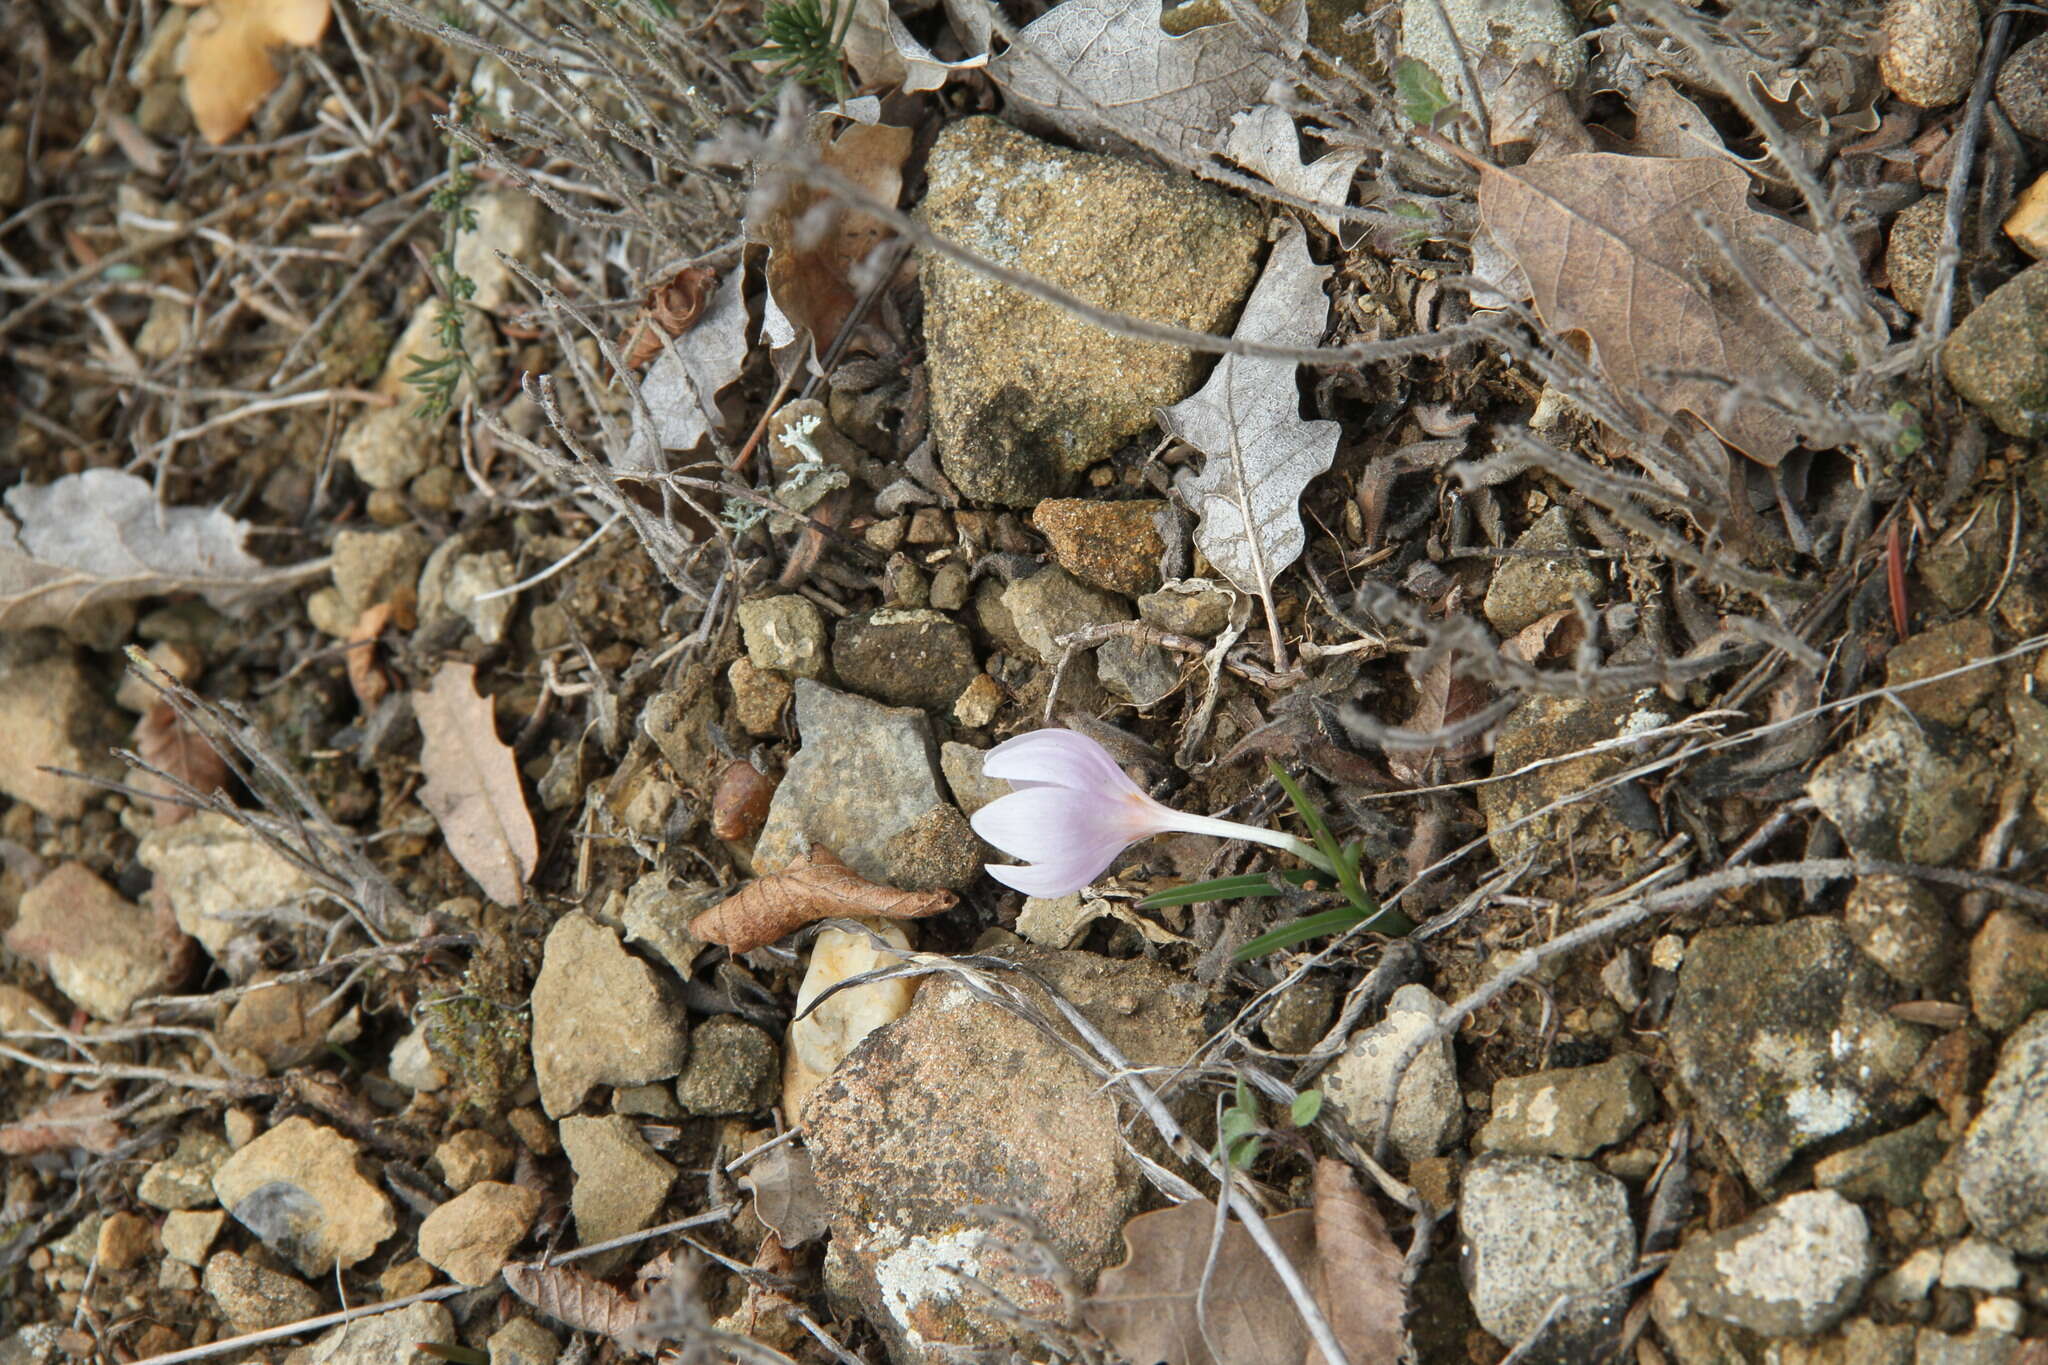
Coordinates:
[1422,94]
[1306,1106]
[1221,889]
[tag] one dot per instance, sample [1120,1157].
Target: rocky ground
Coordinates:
[414,941]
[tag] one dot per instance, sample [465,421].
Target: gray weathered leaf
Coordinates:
[1122,70]
[1263,141]
[682,383]
[100,537]
[1247,421]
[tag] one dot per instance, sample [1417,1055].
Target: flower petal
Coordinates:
[1064,758]
[1045,880]
[1055,824]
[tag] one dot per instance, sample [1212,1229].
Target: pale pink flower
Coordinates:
[1073,810]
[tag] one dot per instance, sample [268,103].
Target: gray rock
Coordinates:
[1052,603]
[1023,394]
[374,566]
[2003,1163]
[735,1068]
[1536,1227]
[470,579]
[1974,1263]
[621,1183]
[1897,792]
[509,222]
[1890,1167]
[523,1341]
[1540,31]
[2008,971]
[254,1298]
[962,765]
[1911,249]
[2023,87]
[1943,650]
[1960,571]
[389,447]
[1971,1348]
[384,1337]
[653,914]
[215,874]
[679,722]
[1790,1271]
[103,951]
[785,634]
[904,657]
[1571,1111]
[1430,1111]
[961,1104]
[1546,727]
[1928,49]
[601,1016]
[1196,607]
[892,752]
[1901,926]
[184,1179]
[1998,356]
[300,1189]
[53,717]
[1542,576]
[1782,1033]
[1301,1015]
[1143,675]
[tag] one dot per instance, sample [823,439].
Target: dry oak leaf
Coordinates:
[578,1300]
[99,537]
[473,786]
[1357,1274]
[366,677]
[1105,73]
[1152,1308]
[1613,249]
[814,887]
[815,244]
[225,57]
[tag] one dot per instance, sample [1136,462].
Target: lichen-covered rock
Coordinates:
[1900,791]
[962,1104]
[1998,356]
[1545,727]
[1791,1271]
[1570,1111]
[1023,394]
[1784,1037]
[2003,1164]
[1536,1227]
[1430,1110]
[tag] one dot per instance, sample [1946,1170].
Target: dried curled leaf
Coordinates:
[226,62]
[1624,249]
[681,386]
[82,1120]
[1358,1270]
[166,740]
[100,537]
[366,677]
[1263,141]
[473,784]
[1153,1307]
[672,308]
[1247,421]
[1093,68]
[814,887]
[577,1300]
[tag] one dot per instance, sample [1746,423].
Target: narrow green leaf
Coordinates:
[1307,1105]
[1221,889]
[1299,931]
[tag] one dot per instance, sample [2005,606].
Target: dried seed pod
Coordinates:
[740,805]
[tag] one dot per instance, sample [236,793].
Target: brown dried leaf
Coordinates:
[225,59]
[1146,1307]
[473,784]
[1612,250]
[739,807]
[814,887]
[164,739]
[813,245]
[1548,639]
[579,1301]
[80,1119]
[366,678]
[1444,698]
[672,308]
[1358,1271]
